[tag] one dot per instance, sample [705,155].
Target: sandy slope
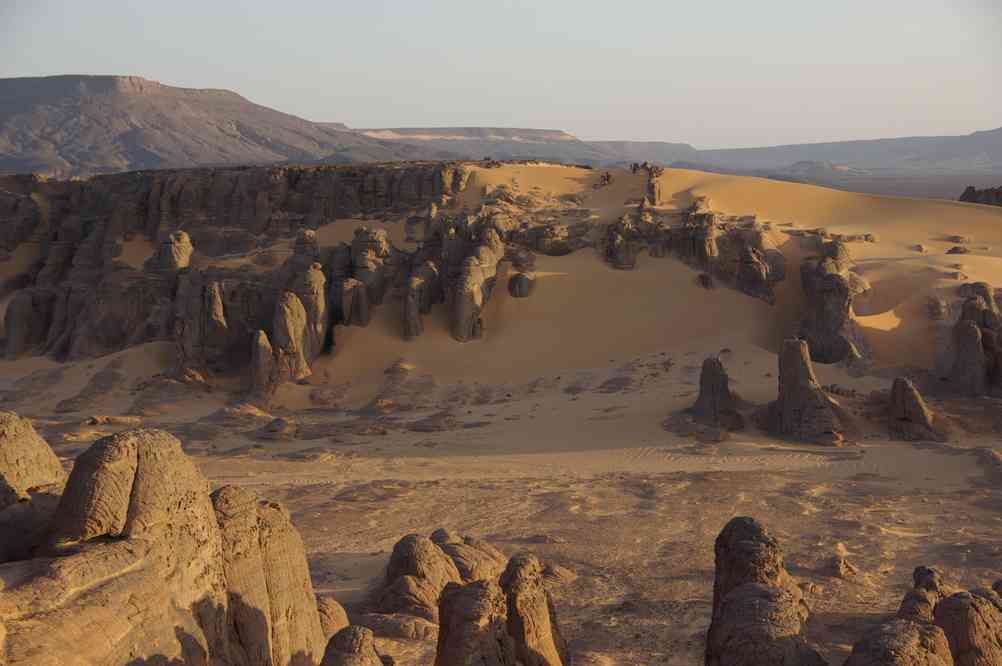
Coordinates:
[553,439]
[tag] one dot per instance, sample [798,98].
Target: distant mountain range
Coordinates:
[81,125]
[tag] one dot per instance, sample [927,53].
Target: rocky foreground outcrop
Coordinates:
[759,613]
[140,562]
[976,367]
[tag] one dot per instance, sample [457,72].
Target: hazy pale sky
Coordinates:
[707,72]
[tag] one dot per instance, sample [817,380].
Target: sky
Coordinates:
[711,73]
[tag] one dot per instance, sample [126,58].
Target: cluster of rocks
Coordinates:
[990,195]
[742,255]
[221,578]
[759,614]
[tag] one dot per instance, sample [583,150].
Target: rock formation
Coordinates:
[519,285]
[910,638]
[758,611]
[532,619]
[977,353]
[474,626]
[173,253]
[829,286]
[214,581]
[909,418]
[31,479]
[803,410]
[990,195]
[352,646]
[716,405]
[333,617]
[972,623]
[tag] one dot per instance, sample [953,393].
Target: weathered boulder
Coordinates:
[473,628]
[31,478]
[474,559]
[803,410]
[333,617]
[473,287]
[910,639]
[969,372]
[352,646]
[909,418]
[532,619]
[972,622]
[413,325]
[519,285]
[758,611]
[309,286]
[416,574]
[355,303]
[716,405]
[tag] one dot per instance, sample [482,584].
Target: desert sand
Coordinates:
[549,434]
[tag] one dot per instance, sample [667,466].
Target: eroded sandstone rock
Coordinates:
[803,410]
[828,325]
[909,417]
[532,619]
[758,611]
[473,627]
[716,405]
[352,646]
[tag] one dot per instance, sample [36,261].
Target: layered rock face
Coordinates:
[758,611]
[214,580]
[828,325]
[990,195]
[803,410]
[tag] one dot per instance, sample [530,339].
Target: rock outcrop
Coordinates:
[976,368]
[972,623]
[829,326]
[908,417]
[910,638]
[352,646]
[990,195]
[716,405]
[474,626]
[31,479]
[758,611]
[532,619]
[803,411]
[213,581]
[519,285]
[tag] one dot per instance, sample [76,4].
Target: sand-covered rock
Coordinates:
[803,410]
[173,253]
[759,613]
[972,622]
[290,331]
[532,619]
[473,627]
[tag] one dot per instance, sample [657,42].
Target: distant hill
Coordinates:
[72,125]
[80,125]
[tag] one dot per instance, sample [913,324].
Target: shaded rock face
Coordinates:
[473,628]
[758,611]
[264,378]
[31,479]
[828,325]
[716,405]
[352,646]
[290,328]
[333,617]
[909,418]
[173,253]
[990,195]
[213,581]
[803,410]
[977,354]
[532,619]
[474,287]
